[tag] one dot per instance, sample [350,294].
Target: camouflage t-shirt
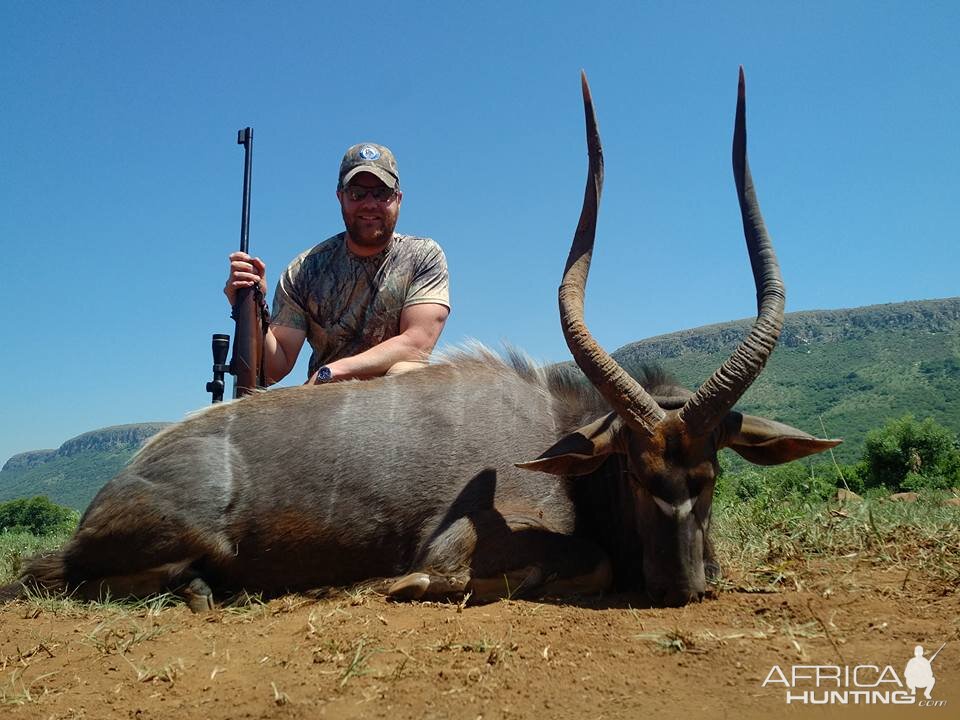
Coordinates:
[347,304]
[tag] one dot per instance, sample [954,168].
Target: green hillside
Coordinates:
[854,369]
[72,474]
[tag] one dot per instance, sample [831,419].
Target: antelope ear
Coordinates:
[582,451]
[767,442]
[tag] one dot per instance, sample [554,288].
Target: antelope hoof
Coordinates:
[410,587]
[712,571]
[199,596]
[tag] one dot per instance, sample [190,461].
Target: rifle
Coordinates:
[247,362]
[934,656]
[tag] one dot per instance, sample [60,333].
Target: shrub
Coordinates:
[907,454]
[37,515]
[795,479]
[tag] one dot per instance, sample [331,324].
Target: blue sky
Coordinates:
[120,176]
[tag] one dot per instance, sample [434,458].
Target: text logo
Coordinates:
[865,684]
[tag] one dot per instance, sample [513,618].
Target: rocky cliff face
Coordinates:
[30,459]
[118,437]
[804,328]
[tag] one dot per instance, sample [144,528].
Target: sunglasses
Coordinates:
[381,193]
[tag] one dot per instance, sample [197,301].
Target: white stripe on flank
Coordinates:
[225,545]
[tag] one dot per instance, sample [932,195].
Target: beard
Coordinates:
[368,233]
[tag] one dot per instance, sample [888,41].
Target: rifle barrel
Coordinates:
[245,138]
[934,656]
[248,337]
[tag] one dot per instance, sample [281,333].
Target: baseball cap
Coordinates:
[371,158]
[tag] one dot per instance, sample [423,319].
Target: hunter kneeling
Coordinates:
[368,300]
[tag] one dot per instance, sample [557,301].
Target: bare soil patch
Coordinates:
[353,655]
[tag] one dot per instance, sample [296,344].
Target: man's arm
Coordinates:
[281,345]
[420,327]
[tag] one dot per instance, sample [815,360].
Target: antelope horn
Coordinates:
[720,393]
[625,394]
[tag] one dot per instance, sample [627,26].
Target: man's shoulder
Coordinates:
[331,245]
[320,253]
[417,245]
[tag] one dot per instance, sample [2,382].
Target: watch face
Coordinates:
[324,374]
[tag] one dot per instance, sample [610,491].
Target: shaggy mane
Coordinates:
[577,401]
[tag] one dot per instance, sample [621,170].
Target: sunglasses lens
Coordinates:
[381,194]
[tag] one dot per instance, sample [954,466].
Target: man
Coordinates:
[368,300]
[919,674]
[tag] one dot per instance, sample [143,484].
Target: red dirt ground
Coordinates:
[360,656]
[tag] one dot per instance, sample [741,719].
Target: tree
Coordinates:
[37,515]
[911,454]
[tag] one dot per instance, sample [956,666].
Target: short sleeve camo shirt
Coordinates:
[347,304]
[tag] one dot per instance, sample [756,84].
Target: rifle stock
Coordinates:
[247,343]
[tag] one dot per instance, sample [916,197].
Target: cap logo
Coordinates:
[368,152]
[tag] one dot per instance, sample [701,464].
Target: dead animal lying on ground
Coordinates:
[413,477]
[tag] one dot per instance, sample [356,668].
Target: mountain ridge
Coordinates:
[805,326]
[834,372]
[131,435]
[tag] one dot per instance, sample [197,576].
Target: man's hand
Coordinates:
[245,271]
[281,345]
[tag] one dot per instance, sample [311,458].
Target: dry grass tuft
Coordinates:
[768,542]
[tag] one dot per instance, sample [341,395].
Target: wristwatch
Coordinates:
[324,375]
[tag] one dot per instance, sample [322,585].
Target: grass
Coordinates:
[357,665]
[672,641]
[120,632]
[149,674]
[767,537]
[17,546]
[348,659]
[18,692]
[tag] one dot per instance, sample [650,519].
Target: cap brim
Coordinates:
[384,176]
